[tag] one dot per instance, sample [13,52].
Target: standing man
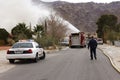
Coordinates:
[92,45]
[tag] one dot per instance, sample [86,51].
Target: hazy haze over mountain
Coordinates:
[82,1]
[85,15]
[82,15]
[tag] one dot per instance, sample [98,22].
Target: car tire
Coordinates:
[36,58]
[11,61]
[44,55]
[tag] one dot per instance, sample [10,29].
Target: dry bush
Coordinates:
[56,27]
[10,41]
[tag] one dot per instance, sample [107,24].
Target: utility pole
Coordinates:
[30,27]
[45,27]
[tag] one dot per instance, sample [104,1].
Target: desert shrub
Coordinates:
[10,41]
[2,42]
[46,41]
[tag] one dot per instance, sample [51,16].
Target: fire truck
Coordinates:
[77,40]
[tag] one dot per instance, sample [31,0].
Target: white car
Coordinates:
[25,50]
[99,41]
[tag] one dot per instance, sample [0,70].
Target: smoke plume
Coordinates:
[18,11]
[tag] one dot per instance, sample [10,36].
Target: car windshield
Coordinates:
[23,45]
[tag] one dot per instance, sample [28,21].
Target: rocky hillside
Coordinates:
[84,15]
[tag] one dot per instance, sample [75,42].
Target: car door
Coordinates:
[39,48]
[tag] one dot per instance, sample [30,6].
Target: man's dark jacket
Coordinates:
[92,44]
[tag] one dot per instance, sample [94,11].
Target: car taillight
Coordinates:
[29,51]
[8,52]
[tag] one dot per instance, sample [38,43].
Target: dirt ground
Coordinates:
[4,47]
[4,63]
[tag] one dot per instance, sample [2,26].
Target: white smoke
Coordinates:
[13,12]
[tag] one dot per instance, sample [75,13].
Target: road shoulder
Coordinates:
[4,64]
[113,53]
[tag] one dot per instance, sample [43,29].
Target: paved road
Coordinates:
[70,64]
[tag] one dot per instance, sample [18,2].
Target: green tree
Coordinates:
[106,20]
[21,31]
[117,28]
[39,30]
[3,35]
[106,30]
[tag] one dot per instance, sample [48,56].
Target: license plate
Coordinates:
[18,52]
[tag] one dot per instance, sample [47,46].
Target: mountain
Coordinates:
[84,15]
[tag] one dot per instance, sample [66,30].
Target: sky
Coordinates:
[78,1]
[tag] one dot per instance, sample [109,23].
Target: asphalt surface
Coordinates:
[70,64]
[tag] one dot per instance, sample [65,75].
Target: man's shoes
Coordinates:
[95,58]
[91,59]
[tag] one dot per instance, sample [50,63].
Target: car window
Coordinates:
[23,45]
[37,45]
[40,46]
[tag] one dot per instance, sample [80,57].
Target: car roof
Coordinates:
[26,41]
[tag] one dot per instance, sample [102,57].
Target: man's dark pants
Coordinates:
[93,52]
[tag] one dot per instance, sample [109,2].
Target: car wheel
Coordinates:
[44,55]
[11,60]
[36,58]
